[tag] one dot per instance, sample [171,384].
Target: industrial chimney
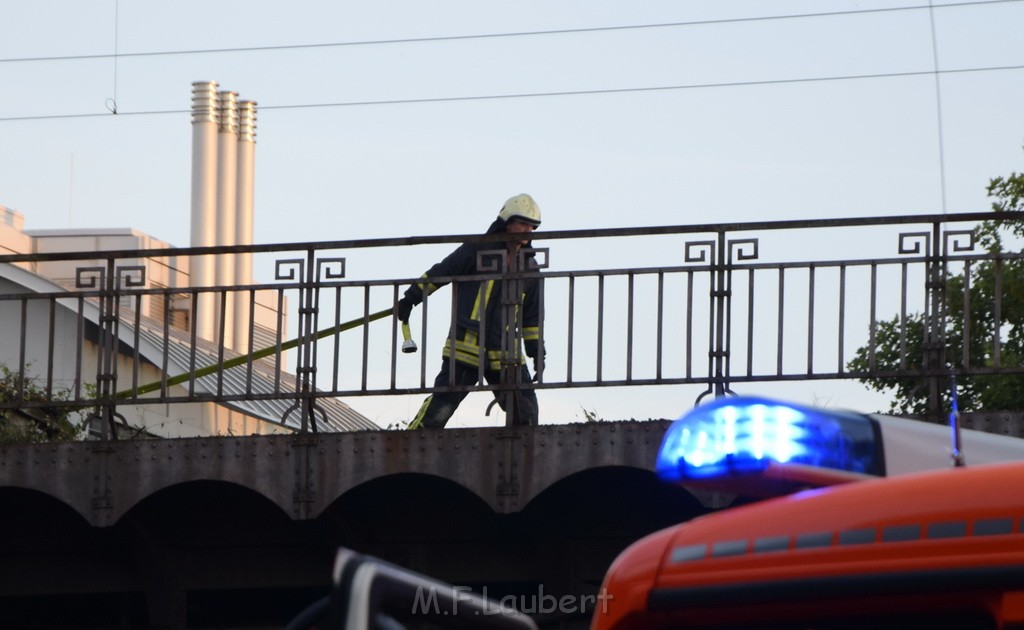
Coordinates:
[244,219]
[227,173]
[204,200]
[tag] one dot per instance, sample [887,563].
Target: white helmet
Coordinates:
[521,208]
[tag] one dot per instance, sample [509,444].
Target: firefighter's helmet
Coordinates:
[522,208]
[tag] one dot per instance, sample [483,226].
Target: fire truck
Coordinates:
[874,522]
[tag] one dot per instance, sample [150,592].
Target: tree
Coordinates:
[978,283]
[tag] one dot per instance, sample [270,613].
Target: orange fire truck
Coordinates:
[871,545]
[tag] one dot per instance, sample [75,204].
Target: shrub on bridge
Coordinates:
[22,421]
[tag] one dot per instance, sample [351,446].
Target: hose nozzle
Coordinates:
[408,345]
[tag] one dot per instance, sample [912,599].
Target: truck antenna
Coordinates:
[957,454]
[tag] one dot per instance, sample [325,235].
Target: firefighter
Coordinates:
[479,309]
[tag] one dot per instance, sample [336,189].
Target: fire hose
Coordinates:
[408,346]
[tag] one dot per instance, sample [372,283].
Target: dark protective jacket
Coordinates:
[478,303]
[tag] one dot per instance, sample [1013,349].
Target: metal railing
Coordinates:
[711,305]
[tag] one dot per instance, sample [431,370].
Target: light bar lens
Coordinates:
[744,434]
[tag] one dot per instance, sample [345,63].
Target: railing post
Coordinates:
[305,370]
[704,252]
[311,271]
[106,352]
[936,316]
[720,298]
[108,280]
[511,341]
[735,251]
[937,322]
[951,243]
[513,286]
[721,254]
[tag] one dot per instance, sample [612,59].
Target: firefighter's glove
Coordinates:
[536,352]
[403,309]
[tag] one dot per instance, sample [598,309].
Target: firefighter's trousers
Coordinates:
[438,408]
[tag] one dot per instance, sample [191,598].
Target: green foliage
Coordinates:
[47,423]
[1008,193]
[969,298]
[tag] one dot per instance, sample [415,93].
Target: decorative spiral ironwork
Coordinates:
[911,242]
[131,276]
[330,269]
[737,248]
[954,238]
[700,251]
[491,260]
[90,277]
[537,262]
[290,269]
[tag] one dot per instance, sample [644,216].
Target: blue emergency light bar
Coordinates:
[742,435]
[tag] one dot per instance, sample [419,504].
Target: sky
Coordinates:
[393,119]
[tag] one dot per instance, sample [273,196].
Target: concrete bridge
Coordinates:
[240,531]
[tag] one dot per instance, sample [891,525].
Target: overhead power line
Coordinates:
[595,92]
[938,109]
[452,38]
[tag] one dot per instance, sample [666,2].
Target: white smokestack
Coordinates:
[244,218]
[204,199]
[227,160]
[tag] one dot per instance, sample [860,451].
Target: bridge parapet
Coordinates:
[304,474]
